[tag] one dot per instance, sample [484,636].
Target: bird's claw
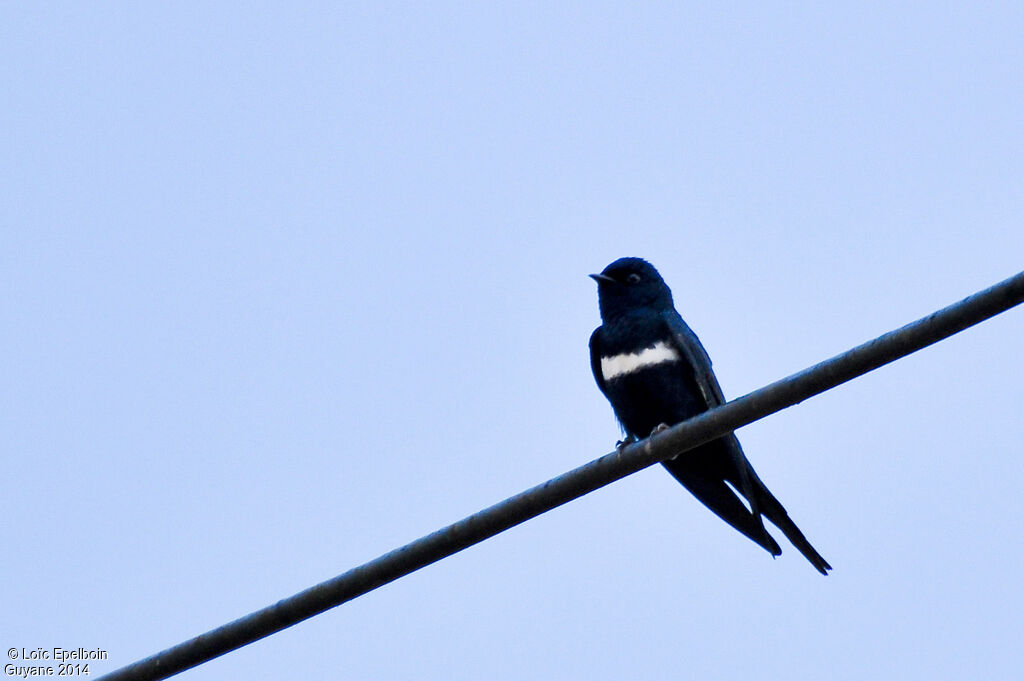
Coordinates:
[661,427]
[625,443]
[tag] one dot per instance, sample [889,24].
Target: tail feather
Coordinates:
[704,472]
[724,503]
[774,511]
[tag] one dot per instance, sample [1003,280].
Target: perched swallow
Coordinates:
[654,371]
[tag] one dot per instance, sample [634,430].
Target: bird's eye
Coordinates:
[633,278]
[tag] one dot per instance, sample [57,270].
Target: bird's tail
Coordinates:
[776,513]
[713,492]
[705,470]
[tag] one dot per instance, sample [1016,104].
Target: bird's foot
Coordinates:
[625,443]
[661,427]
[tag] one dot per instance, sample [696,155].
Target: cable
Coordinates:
[587,478]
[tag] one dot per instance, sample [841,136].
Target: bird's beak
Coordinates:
[602,279]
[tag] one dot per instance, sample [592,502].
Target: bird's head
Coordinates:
[630,284]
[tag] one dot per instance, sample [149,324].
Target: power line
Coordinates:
[587,478]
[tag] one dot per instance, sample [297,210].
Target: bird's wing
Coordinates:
[595,359]
[687,343]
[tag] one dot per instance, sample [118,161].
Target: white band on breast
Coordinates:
[627,363]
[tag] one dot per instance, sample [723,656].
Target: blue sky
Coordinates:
[285,287]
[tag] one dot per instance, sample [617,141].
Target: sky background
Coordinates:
[287,286]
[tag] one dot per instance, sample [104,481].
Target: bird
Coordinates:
[655,373]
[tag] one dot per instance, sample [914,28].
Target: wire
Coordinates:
[587,478]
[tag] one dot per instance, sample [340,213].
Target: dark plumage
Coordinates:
[653,370]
